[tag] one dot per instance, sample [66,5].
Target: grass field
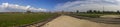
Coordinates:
[92,15]
[9,20]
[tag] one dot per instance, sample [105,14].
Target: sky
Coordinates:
[84,5]
[58,5]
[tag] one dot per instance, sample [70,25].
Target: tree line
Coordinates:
[97,11]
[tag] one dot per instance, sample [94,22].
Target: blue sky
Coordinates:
[47,4]
[59,5]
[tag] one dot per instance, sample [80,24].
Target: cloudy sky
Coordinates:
[58,5]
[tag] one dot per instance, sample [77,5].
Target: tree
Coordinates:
[118,11]
[89,11]
[28,11]
[77,11]
[98,11]
[94,11]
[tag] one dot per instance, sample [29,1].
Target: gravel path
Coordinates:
[67,21]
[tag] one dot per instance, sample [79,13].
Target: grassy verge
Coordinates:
[92,15]
[9,20]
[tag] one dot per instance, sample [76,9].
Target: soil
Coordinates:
[67,21]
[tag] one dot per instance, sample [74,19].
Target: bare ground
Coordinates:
[67,21]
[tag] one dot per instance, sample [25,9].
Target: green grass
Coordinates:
[9,20]
[90,15]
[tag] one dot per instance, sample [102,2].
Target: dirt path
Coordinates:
[67,21]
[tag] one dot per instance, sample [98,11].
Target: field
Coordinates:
[92,15]
[10,20]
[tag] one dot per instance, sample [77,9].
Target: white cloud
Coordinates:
[37,9]
[109,5]
[6,7]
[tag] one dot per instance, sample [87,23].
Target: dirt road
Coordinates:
[67,21]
